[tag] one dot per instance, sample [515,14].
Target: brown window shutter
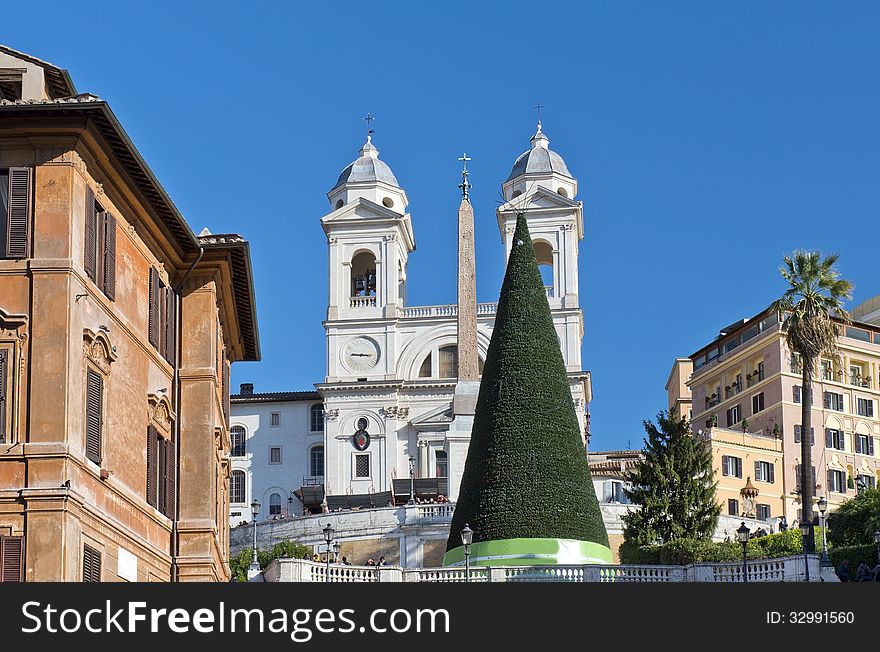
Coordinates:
[155,316]
[225,389]
[91,564]
[152,465]
[94,400]
[167,484]
[109,257]
[18,215]
[4,367]
[91,236]
[11,559]
[170,325]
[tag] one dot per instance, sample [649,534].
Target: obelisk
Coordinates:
[468,360]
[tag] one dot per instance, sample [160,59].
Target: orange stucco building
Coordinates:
[117,330]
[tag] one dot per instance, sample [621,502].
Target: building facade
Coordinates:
[396,407]
[746,392]
[117,330]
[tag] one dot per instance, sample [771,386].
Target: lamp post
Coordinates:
[742,535]
[823,507]
[412,480]
[255,565]
[806,529]
[336,547]
[877,543]
[467,537]
[289,506]
[328,537]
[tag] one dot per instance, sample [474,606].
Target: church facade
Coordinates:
[397,409]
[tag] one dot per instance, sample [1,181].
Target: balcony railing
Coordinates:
[450,310]
[362,302]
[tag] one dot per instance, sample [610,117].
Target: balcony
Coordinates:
[362,302]
[732,390]
[450,310]
[754,378]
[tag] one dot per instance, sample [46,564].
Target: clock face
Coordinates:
[361,353]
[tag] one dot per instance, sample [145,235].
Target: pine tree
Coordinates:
[526,474]
[673,485]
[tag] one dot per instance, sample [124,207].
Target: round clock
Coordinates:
[361,353]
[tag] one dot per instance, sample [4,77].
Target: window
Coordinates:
[275,504]
[731,466]
[16,201]
[764,471]
[865,407]
[237,435]
[836,481]
[834,401]
[363,275]
[797,477]
[864,444]
[755,376]
[161,492]
[442,464]
[733,416]
[613,492]
[448,361]
[797,434]
[236,487]
[762,512]
[757,403]
[866,481]
[11,83]
[91,564]
[362,465]
[826,368]
[425,369]
[275,455]
[11,559]
[316,461]
[275,419]
[835,439]
[94,414]
[163,317]
[796,394]
[733,506]
[796,366]
[316,418]
[99,257]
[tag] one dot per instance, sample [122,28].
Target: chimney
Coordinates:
[246,389]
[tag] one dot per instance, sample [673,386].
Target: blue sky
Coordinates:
[709,139]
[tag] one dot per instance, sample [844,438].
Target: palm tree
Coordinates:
[812,303]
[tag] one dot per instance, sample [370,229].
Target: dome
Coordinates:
[367,169]
[540,159]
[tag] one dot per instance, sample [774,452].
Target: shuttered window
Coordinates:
[155,308]
[11,559]
[16,199]
[94,411]
[4,370]
[162,317]
[99,244]
[152,466]
[91,564]
[166,479]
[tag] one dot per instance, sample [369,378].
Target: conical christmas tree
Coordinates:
[526,490]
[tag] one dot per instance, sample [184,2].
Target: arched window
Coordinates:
[275,504]
[316,462]
[363,275]
[237,435]
[448,361]
[236,487]
[316,418]
[425,369]
[442,464]
[544,257]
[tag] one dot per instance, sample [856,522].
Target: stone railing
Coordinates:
[362,302]
[450,310]
[783,569]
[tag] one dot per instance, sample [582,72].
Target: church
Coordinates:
[390,423]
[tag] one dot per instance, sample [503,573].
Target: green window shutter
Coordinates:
[19,213]
[94,409]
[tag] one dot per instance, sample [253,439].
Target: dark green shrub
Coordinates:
[239,564]
[865,553]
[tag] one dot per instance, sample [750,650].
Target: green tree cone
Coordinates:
[527,476]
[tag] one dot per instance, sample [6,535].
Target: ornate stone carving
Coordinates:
[98,349]
[568,227]
[160,413]
[391,237]
[394,412]
[331,415]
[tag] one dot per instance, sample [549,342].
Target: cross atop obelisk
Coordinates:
[468,360]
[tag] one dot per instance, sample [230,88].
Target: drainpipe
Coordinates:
[176,390]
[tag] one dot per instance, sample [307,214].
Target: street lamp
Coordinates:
[412,481]
[467,537]
[336,547]
[742,535]
[877,543]
[823,507]
[255,510]
[806,529]
[328,537]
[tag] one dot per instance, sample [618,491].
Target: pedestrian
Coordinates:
[876,572]
[843,571]
[382,561]
[345,561]
[863,573]
[371,563]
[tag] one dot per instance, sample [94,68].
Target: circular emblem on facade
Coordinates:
[361,438]
[361,353]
